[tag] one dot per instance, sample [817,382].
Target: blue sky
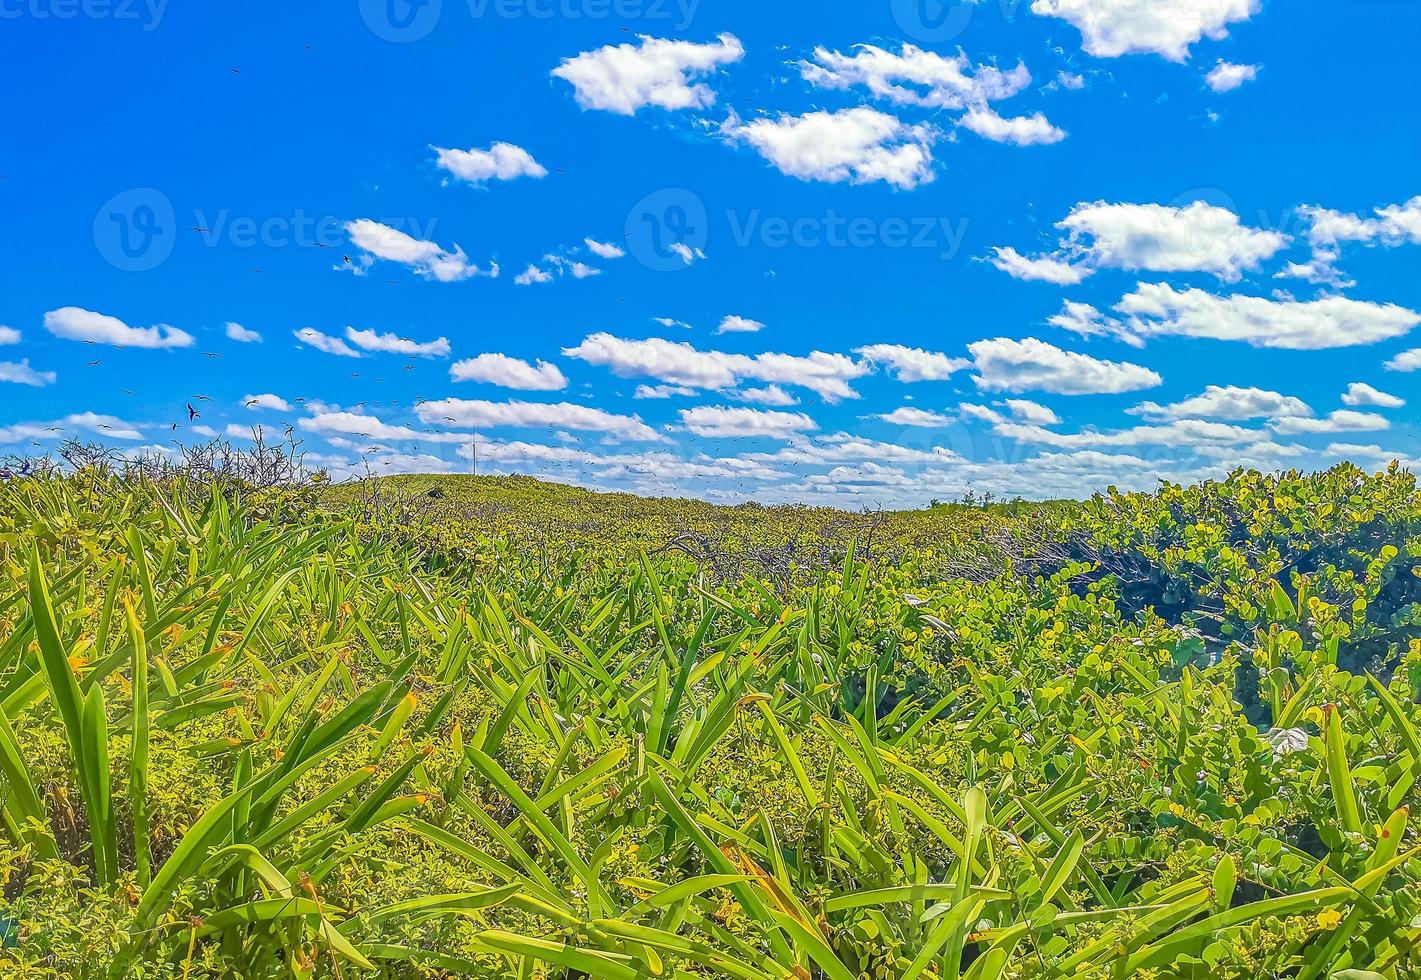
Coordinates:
[880,255]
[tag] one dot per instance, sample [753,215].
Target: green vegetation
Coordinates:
[457,727]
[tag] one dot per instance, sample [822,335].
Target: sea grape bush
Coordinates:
[477,727]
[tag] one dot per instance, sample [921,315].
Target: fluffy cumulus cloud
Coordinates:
[912,363]
[311,337]
[390,343]
[623,78]
[859,145]
[427,259]
[914,76]
[1199,237]
[1159,310]
[9,335]
[1407,361]
[720,422]
[603,250]
[1227,402]
[1033,412]
[1392,224]
[1342,420]
[917,417]
[501,161]
[20,373]
[1183,433]
[739,324]
[1359,394]
[771,395]
[1227,76]
[1044,268]
[1034,365]
[91,423]
[1111,28]
[73,323]
[239,333]
[268,401]
[516,414]
[679,363]
[509,372]
[1029,130]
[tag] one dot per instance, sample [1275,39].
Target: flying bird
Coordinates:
[192,413]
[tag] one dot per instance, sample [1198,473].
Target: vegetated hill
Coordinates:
[967,538]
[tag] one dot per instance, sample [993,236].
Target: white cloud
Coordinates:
[604,250]
[858,145]
[9,335]
[688,254]
[1360,394]
[501,161]
[1034,365]
[772,395]
[914,76]
[679,363]
[1226,76]
[1341,420]
[532,274]
[1407,360]
[667,321]
[745,422]
[1185,432]
[1394,224]
[1086,321]
[623,78]
[104,426]
[368,427]
[917,417]
[1158,310]
[1227,402]
[312,337]
[1041,269]
[515,414]
[1031,130]
[239,333]
[274,402]
[1033,412]
[1110,28]
[1197,238]
[509,372]
[739,324]
[72,323]
[910,364]
[664,391]
[426,259]
[21,373]
[393,344]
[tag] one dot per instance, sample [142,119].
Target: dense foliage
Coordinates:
[452,727]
